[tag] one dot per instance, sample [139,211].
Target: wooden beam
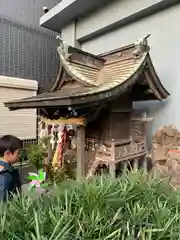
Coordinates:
[131,157]
[80,152]
[150,119]
[70,121]
[142,118]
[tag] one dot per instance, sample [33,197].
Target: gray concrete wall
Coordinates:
[25,11]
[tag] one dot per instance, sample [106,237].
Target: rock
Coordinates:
[169,164]
[167,161]
[175,166]
[163,170]
[167,136]
[174,155]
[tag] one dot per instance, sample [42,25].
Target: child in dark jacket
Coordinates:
[10,183]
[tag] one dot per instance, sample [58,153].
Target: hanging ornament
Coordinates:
[52,137]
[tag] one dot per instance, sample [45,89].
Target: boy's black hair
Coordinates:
[9,143]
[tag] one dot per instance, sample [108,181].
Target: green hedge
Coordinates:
[132,207]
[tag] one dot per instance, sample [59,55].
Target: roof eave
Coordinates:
[66,11]
[155,80]
[158,92]
[91,97]
[78,100]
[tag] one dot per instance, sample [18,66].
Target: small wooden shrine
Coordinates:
[95,94]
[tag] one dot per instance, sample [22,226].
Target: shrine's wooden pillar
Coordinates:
[135,164]
[112,166]
[145,164]
[125,166]
[80,152]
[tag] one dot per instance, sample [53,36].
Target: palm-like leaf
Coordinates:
[136,206]
[41,175]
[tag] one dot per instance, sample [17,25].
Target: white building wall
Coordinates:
[112,13]
[21,123]
[165,53]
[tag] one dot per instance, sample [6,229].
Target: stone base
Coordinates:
[166,154]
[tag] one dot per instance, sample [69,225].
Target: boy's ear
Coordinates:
[7,153]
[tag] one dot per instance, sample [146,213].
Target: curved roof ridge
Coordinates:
[73,73]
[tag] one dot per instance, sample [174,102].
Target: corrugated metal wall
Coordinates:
[27,50]
[26,11]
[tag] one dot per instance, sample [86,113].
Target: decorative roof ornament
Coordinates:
[45,9]
[63,48]
[141,46]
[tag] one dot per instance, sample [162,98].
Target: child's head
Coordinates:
[10,147]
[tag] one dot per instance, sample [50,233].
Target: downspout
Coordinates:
[77,44]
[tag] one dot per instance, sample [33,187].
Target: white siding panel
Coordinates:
[21,123]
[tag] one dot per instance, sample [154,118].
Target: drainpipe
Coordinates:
[69,35]
[76,42]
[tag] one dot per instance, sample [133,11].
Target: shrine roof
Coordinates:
[86,78]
